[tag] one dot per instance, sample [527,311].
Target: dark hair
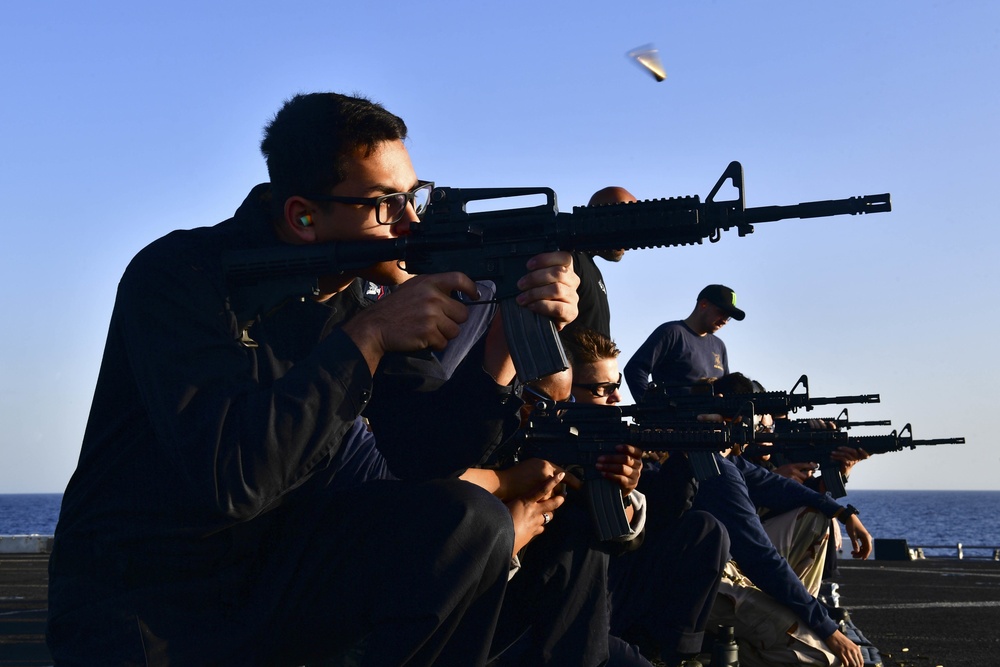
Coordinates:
[587,346]
[733,383]
[307,141]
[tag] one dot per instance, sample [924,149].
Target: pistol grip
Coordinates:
[533,342]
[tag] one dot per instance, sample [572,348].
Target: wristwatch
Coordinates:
[844,513]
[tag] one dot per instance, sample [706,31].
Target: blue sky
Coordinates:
[123,121]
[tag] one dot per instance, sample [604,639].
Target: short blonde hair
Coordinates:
[586,346]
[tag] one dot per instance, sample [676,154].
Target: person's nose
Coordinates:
[615,397]
[402,226]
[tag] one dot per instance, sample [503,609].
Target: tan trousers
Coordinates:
[767,632]
[801,537]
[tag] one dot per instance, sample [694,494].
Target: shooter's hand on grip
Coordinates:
[421,314]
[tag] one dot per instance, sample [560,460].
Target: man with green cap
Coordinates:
[678,354]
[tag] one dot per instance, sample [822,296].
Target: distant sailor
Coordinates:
[680,353]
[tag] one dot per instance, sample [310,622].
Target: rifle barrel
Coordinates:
[820,209]
[938,441]
[837,400]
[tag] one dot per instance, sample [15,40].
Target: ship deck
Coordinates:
[922,613]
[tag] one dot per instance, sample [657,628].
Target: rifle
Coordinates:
[495,245]
[577,434]
[800,445]
[841,422]
[657,402]
[658,409]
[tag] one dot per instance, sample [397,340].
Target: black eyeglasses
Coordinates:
[601,389]
[388,208]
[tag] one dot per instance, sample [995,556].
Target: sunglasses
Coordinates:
[601,389]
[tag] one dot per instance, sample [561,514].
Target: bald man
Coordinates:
[594,309]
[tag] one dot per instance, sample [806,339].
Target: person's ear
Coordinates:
[298,220]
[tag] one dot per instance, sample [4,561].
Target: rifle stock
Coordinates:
[495,245]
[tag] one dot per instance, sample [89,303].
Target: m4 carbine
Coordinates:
[496,245]
[574,434]
[799,445]
[841,422]
[661,409]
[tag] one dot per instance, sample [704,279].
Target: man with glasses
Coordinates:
[596,378]
[681,353]
[662,592]
[217,514]
[555,610]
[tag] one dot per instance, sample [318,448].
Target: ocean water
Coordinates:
[29,513]
[923,518]
[933,518]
